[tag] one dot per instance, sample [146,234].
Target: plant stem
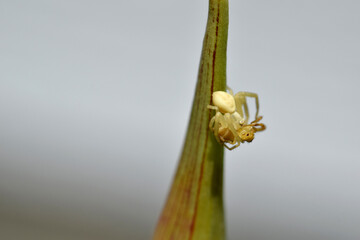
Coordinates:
[194,208]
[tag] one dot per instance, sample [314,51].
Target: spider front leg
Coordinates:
[230,90]
[240,99]
[258,119]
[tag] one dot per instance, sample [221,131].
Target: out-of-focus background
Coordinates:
[95,99]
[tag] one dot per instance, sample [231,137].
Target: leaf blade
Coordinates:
[194,207]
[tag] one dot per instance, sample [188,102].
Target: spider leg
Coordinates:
[211,123]
[230,90]
[240,102]
[233,147]
[261,126]
[217,118]
[229,148]
[249,94]
[213,107]
[258,127]
[257,120]
[238,119]
[246,109]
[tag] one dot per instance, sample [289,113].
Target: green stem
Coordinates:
[194,208]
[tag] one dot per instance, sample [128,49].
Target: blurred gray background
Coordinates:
[95,99]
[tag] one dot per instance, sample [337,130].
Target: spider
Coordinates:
[229,123]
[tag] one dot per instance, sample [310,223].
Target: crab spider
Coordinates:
[230,123]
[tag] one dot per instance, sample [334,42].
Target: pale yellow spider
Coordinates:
[229,123]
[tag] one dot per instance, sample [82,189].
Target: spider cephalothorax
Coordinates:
[229,123]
